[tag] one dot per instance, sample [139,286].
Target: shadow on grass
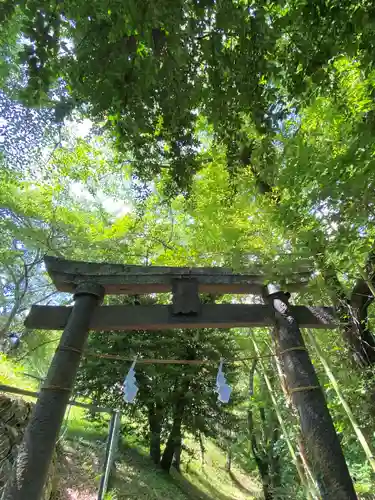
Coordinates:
[137,477]
[81,457]
[140,475]
[239,485]
[214,493]
[188,488]
[78,467]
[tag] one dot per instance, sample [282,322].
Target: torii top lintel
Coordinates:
[132,279]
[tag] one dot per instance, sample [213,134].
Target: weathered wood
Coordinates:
[30,469]
[22,392]
[316,423]
[161,317]
[185,297]
[129,279]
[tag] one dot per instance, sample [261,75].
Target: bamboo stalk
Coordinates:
[306,466]
[289,402]
[300,471]
[365,278]
[335,385]
[332,378]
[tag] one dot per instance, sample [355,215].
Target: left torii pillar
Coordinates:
[36,450]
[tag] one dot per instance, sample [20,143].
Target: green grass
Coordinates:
[211,478]
[82,448]
[137,478]
[76,425]
[12,374]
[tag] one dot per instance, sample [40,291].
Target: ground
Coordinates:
[81,451]
[136,478]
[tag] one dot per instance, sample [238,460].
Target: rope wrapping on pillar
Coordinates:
[296,348]
[70,349]
[302,388]
[54,387]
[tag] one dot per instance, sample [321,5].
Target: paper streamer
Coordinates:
[130,385]
[222,388]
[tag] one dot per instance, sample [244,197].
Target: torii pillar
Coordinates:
[30,470]
[307,395]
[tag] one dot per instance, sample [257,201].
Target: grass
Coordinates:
[211,478]
[136,477]
[82,450]
[12,374]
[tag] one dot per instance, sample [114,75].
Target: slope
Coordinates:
[136,477]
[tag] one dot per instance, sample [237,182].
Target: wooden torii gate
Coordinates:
[89,282]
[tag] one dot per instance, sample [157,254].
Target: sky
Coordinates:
[115,207]
[22,132]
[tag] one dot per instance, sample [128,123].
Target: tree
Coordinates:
[28,135]
[146,71]
[264,448]
[21,280]
[320,173]
[171,398]
[265,213]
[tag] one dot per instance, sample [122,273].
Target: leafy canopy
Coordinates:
[147,70]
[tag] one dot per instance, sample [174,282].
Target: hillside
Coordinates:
[81,450]
[136,477]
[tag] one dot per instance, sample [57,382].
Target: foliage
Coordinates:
[223,133]
[162,387]
[147,72]
[27,135]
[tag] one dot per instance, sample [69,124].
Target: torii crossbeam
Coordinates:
[186,311]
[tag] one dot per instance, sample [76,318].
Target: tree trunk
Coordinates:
[177,457]
[352,314]
[154,422]
[260,459]
[263,469]
[228,463]
[201,446]
[174,439]
[267,461]
[266,481]
[274,459]
[316,423]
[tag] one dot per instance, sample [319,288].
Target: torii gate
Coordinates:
[89,282]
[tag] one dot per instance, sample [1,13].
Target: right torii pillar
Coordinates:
[317,426]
